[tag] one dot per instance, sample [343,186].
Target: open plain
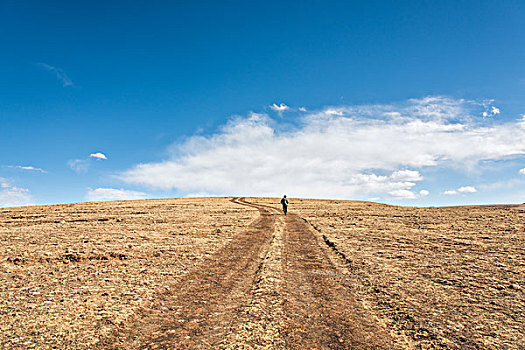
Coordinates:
[234,273]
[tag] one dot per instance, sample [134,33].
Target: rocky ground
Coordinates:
[232,274]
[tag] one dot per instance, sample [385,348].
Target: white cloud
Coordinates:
[450,192]
[31,168]
[406,175]
[60,74]
[403,194]
[98,155]
[467,189]
[491,112]
[407,194]
[334,111]
[110,194]
[336,152]
[279,108]
[11,196]
[464,189]
[302,109]
[522,171]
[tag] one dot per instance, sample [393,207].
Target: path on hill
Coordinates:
[273,286]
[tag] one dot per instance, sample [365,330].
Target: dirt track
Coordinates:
[274,285]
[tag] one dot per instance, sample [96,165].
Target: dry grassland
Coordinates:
[436,277]
[444,278]
[71,272]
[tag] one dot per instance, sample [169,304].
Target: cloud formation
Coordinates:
[60,74]
[522,171]
[11,196]
[112,194]
[30,168]
[338,152]
[98,155]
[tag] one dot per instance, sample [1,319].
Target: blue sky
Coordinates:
[403,102]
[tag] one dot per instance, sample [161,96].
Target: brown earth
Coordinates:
[217,273]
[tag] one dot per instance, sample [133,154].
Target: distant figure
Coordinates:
[285,203]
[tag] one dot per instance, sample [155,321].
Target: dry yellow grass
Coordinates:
[71,272]
[431,277]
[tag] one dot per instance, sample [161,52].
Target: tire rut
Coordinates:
[201,309]
[318,310]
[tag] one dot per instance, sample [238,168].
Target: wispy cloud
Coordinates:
[110,194]
[12,196]
[522,171]
[30,168]
[79,166]
[98,155]
[60,74]
[358,151]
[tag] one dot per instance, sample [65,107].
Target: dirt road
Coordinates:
[275,285]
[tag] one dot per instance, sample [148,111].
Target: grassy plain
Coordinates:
[451,278]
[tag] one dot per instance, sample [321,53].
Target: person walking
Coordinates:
[284,202]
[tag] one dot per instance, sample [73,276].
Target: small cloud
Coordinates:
[493,111]
[406,175]
[450,192]
[79,165]
[60,74]
[403,194]
[522,171]
[30,168]
[98,155]
[279,108]
[111,194]
[424,193]
[467,189]
[464,189]
[302,109]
